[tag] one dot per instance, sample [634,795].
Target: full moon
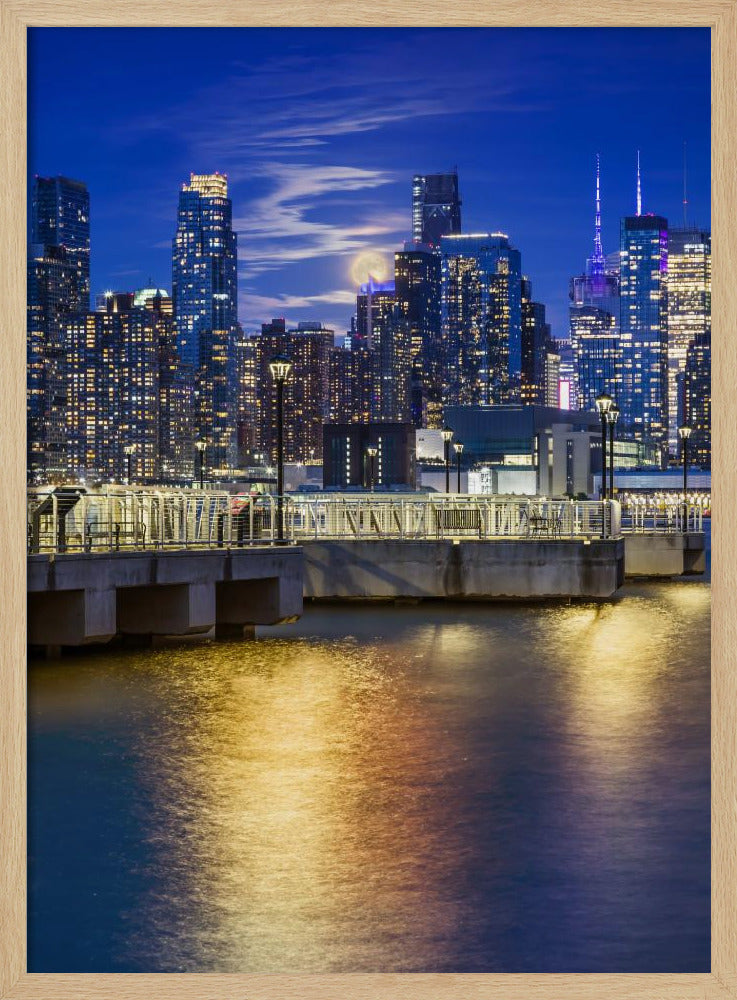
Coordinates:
[369,263]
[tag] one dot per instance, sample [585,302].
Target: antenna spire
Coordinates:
[597,261]
[685,196]
[639,186]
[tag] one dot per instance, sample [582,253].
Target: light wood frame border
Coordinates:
[15,17]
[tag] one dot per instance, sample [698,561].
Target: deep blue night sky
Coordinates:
[320,131]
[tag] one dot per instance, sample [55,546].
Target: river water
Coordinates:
[428,788]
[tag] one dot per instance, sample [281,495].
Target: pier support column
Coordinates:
[71,617]
[171,609]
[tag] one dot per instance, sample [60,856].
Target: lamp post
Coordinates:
[280,367]
[371,451]
[458,446]
[612,416]
[200,446]
[447,435]
[128,451]
[603,405]
[685,433]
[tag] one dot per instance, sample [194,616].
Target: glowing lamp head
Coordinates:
[128,449]
[458,445]
[372,451]
[684,433]
[603,403]
[200,445]
[280,368]
[612,414]
[446,434]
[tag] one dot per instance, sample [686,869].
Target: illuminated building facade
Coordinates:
[481,319]
[53,294]
[539,370]
[126,390]
[246,355]
[689,308]
[58,285]
[60,217]
[204,280]
[594,320]
[697,398]
[306,392]
[350,385]
[643,350]
[385,332]
[595,347]
[436,207]
[417,290]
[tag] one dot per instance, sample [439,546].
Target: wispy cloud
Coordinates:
[255,308]
[283,227]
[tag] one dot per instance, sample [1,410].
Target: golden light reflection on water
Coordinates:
[310,778]
[377,802]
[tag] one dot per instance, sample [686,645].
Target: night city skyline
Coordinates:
[320,161]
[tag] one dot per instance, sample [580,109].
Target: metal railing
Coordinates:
[72,519]
[439,516]
[661,517]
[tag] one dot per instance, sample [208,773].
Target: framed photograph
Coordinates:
[364,632]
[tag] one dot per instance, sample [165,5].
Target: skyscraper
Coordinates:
[417,289]
[204,289]
[58,279]
[481,319]
[436,207]
[385,332]
[595,345]
[60,217]
[594,319]
[538,353]
[643,353]
[697,398]
[125,389]
[306,392]
[689,308]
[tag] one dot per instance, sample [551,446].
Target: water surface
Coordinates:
[448,788]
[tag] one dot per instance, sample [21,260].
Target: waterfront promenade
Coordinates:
[145,561]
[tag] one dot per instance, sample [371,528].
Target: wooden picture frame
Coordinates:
[15,17]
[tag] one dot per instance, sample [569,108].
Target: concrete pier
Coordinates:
[499,568]
[664,554]
[80,598]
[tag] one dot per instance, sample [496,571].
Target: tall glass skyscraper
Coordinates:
[386,334]
[594,320]
[689,308]
[58,286]
[417,285]
[481,319]
[204,289]
[436,207]
[60,217]
[643,378]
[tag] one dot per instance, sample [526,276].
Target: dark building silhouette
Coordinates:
[347,463]
[436,207]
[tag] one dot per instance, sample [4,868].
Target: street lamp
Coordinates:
[612,416]
[603,405]
[458,446]
[685,433]
[447,435]
[280,368]
[128,452]
[200,446]
[372,452]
